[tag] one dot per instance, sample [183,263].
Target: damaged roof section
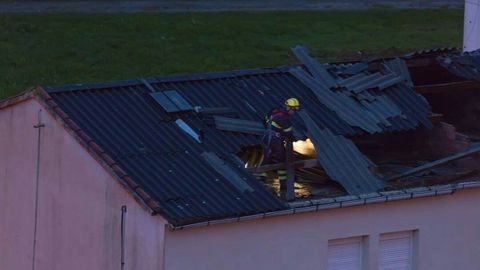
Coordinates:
[342,160]
[465,65]
[373,102]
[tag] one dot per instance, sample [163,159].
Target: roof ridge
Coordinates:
[169,78]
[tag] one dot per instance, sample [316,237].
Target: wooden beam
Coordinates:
[421,61]
[306,163]
[435,163]
[435,118]
[447,87]
[290,195]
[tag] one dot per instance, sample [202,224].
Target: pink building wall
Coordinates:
[448,236]
[79,205]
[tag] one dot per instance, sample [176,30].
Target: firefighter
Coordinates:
[278,130]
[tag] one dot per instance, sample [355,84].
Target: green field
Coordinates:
[51,49]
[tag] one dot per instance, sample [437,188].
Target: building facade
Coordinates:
[61,208]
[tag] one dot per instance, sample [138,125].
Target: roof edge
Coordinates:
[343,202]
[95,150]
[12,100]
[225,74]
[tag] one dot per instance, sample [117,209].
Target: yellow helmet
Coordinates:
[292,102]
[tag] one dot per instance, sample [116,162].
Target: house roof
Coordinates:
[181,160]
[195,178]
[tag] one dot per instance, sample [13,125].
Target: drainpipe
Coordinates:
[471,28]
[123,236]
[39,127]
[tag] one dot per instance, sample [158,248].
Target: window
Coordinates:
[396,251]
[345,254]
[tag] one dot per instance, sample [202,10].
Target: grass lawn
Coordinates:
[50,49]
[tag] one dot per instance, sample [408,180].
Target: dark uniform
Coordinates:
[279,128]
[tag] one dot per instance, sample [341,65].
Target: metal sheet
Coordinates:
[347,109]
[185,127]
[371,111]
[178,100]
[399,67]
[342,160]
[226,171]
[164,101]
[239,125]
[351,69]
[317,69]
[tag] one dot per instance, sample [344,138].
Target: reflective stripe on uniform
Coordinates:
[282,175]
[288,129]
[276,125]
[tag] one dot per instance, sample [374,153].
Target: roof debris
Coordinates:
[398,67]
[360,100]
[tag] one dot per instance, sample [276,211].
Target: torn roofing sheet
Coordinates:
[317,69]
[399,68]
[361,99]
[347,109]
[341,159]
[465,65]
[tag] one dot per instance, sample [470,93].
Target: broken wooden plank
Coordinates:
[447,87]
[307,163]
[436,163]
[435,118]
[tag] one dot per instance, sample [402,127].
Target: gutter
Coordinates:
[343,202]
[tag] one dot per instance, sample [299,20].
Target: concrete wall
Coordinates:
[79,203]
[448,236]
